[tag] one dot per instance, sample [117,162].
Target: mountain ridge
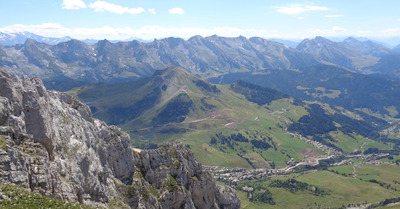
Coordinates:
[337,53]
[153,92]
[123,61]
[74,63]
[367,47]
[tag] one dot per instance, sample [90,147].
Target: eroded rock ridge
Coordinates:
[51,144]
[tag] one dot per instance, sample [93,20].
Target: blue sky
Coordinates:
[148,19]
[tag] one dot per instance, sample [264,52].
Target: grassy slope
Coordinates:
[244,112]
[278,112]
[345,190]
[340,190]
[382,173]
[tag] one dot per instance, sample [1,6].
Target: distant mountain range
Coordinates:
[74,63]
[65,64]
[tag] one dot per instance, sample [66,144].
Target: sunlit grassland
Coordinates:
[356,143]
[339,190]
[345,190]
[386,174]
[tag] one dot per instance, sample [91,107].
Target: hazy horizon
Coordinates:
[148,20]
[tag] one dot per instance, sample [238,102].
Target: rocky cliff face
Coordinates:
[49,143]
[170,177]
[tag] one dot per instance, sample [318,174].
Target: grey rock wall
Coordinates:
[51,144]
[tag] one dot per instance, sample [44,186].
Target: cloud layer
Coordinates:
[333,16]
[102,6]
[176,11]
[123,33]
[152,10]
[295,9]
[73,4]
[154,31]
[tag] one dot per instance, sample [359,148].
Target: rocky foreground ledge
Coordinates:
[51,144]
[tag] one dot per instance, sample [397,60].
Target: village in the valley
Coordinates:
[235,175]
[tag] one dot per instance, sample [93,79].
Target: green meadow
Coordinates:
[338,190]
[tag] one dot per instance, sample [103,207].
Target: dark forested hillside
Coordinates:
[328,84]
[256,93]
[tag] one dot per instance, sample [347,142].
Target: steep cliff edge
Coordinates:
[51,144]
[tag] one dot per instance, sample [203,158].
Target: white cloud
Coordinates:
[300,18]
[333,16]
[176,11]
[338,29]
[122,33]
[52,29]
[389,32]
[73,4]
[102,6]
[153,31]
[330,32]
[152,10]
[295,9]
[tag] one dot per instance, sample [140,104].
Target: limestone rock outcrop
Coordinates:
[180,180]
[51,144]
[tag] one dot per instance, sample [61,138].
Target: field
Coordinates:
[382,174]
[338,189]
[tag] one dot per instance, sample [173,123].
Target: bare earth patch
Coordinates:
[232,123]
[309,153]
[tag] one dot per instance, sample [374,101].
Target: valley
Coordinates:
[244,133]
[244,124]
[309,129]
